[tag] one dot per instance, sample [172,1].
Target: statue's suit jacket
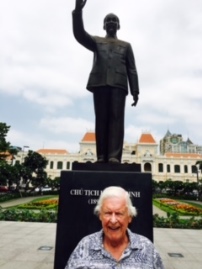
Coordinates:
[113,64]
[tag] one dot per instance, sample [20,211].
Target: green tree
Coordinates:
[155,186]
[176,186]
[8,173]
[168,185]
[5,147]
[53,183]
[189,187]
[34,169]
[161,185]
[3,173]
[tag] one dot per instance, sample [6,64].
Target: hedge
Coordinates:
[28,215]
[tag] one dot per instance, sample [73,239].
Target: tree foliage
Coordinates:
[31,171]
[8,173]
[35,165]
[4,145]
[175,187]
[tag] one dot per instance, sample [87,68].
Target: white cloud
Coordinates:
[21,139]
[66,125]
[43,66]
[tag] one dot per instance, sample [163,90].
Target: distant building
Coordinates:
[175,143]
[174,161]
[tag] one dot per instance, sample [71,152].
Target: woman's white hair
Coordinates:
[114,191]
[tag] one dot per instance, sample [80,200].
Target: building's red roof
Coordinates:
[89,137]
[147,138]
[183,155]
[53,151]
[6,155]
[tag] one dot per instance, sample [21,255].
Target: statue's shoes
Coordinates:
[113,160]
[100,160]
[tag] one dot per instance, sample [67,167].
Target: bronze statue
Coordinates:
[113,67]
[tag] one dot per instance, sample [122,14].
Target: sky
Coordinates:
[44,70]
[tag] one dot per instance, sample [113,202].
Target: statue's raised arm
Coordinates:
[113,69]
[80,4]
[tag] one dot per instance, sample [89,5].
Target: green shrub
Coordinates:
[173,221]
[9,196]
[28,215]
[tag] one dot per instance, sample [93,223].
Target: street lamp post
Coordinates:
[21,161]
[198,183]
[22,155]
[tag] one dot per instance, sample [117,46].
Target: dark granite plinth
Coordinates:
[133,167]
[78,196]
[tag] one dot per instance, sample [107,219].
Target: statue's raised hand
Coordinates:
[80,4]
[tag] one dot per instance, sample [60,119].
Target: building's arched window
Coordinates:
[51,165]
[59,165]
[193,169]
[147,167]
[160,167]
[177,168]
[68,165]
[168,168]
[185,169]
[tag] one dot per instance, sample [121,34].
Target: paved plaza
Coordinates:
[25,245]
[29,245]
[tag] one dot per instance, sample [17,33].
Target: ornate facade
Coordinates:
[169,165]
[174,143]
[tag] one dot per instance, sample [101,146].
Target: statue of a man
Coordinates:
[113,67]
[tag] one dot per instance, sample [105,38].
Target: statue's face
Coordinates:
[111,24]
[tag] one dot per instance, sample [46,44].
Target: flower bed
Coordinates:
[41,204]
[180,207]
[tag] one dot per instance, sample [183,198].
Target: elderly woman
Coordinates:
[115,246]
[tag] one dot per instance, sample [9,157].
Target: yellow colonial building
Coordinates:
[169,165]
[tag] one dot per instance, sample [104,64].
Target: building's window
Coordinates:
[147,167]
[183,147]
[68,165]
[185,169]
[51,165]
[168,168]
[59,165]
[17,162]
[177,168]
[193,169]
[160,167]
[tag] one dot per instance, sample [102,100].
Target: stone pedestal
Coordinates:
[79,192]
[132,167]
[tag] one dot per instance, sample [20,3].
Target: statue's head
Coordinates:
[111,24]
